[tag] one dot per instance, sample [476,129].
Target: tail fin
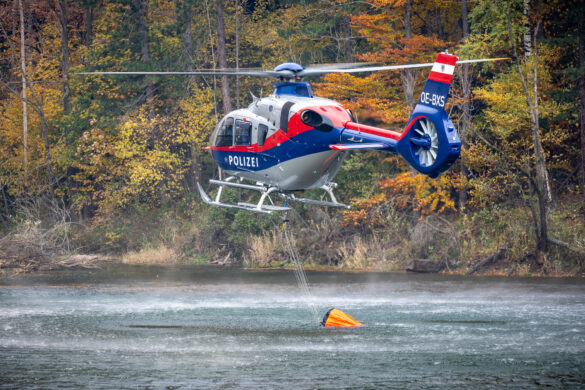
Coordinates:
[430,142]
[437,87]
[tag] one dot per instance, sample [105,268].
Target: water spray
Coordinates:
[334,318]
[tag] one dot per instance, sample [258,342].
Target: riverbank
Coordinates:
[494,241]
[101,262]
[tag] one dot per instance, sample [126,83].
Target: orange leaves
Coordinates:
[364,210]
[373,96]
[421,193]
[407,192]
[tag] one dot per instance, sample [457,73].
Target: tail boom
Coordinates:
[429,142]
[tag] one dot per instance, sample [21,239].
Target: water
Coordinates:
[138,327]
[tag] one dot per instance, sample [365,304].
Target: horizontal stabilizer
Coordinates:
[366,146]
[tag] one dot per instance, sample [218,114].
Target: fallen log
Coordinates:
[487,261]
[425,266]
[566,245]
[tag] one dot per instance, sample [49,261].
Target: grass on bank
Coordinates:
[200,235]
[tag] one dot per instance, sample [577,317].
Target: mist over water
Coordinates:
[150,327]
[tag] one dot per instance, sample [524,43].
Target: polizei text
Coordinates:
[243,161]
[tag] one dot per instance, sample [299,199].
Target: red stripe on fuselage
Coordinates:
[272,141]
[411,123]
[336,114]
[374,130]
[382,132]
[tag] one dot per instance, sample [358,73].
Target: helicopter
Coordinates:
[292,141]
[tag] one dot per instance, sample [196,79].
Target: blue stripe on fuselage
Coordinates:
[305,143]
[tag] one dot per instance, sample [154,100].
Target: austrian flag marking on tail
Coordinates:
[443,68]
[437,86]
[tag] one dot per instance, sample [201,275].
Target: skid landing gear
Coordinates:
[328,188]
[260,207]
[265,192]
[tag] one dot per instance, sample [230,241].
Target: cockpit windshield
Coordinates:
[224,133]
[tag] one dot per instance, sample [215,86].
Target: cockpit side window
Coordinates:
[262,132]
[243,133]
[225,132]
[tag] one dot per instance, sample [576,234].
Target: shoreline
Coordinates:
[100,263]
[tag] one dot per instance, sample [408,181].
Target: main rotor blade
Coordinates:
[287,74]
[317,71]
[341,65]
[258,73]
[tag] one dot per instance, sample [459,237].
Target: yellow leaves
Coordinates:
[147,160]
[420,192]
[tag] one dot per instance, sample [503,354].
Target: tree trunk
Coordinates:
[6,213]
[440,29]
[464,20]
[45,135]
[347,35]
[212,60]
[188,42]
[542,245]
[526,36]
[465,124]
[142,15]
[542,184]
[581,27]
[62,14]
[237,53]
[544,192]
[541,170]
[87,34]
[221,54]
[407,75]
[195,171]
[24,101]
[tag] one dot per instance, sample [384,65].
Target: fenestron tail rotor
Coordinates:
[425,140]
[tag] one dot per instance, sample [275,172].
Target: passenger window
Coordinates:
[243,133]
[262,131]
[225,133]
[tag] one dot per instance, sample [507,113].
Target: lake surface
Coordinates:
[150,327]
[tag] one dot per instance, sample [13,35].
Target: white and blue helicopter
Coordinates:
[293,141]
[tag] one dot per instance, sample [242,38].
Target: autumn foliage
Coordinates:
[104,147]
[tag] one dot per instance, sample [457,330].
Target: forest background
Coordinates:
[109,164]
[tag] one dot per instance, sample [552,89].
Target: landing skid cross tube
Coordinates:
[265,192]
[260,207]
[325,187]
